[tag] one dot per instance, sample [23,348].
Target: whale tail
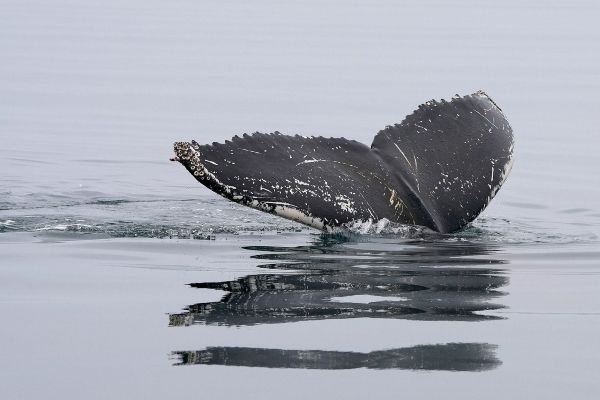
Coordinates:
[438,168]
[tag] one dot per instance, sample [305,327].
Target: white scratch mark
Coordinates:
[309,161]
[403,155]
[486,118]
[251,151]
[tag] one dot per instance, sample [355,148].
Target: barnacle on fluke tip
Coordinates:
[438,168]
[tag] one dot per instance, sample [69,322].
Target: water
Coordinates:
[121,277]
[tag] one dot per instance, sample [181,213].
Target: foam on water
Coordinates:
[88,213]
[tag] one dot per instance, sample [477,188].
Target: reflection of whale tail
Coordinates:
[450,294]
[443,357]
[439,168]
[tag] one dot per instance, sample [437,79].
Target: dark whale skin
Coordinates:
[439,168]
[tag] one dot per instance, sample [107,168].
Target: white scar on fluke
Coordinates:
[439,168]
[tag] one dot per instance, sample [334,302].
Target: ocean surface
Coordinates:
[122,277]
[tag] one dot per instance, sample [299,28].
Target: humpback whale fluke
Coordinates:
[438,168]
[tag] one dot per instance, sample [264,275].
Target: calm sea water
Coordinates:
[121,277]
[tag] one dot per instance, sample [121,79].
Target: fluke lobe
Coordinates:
[438,168]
